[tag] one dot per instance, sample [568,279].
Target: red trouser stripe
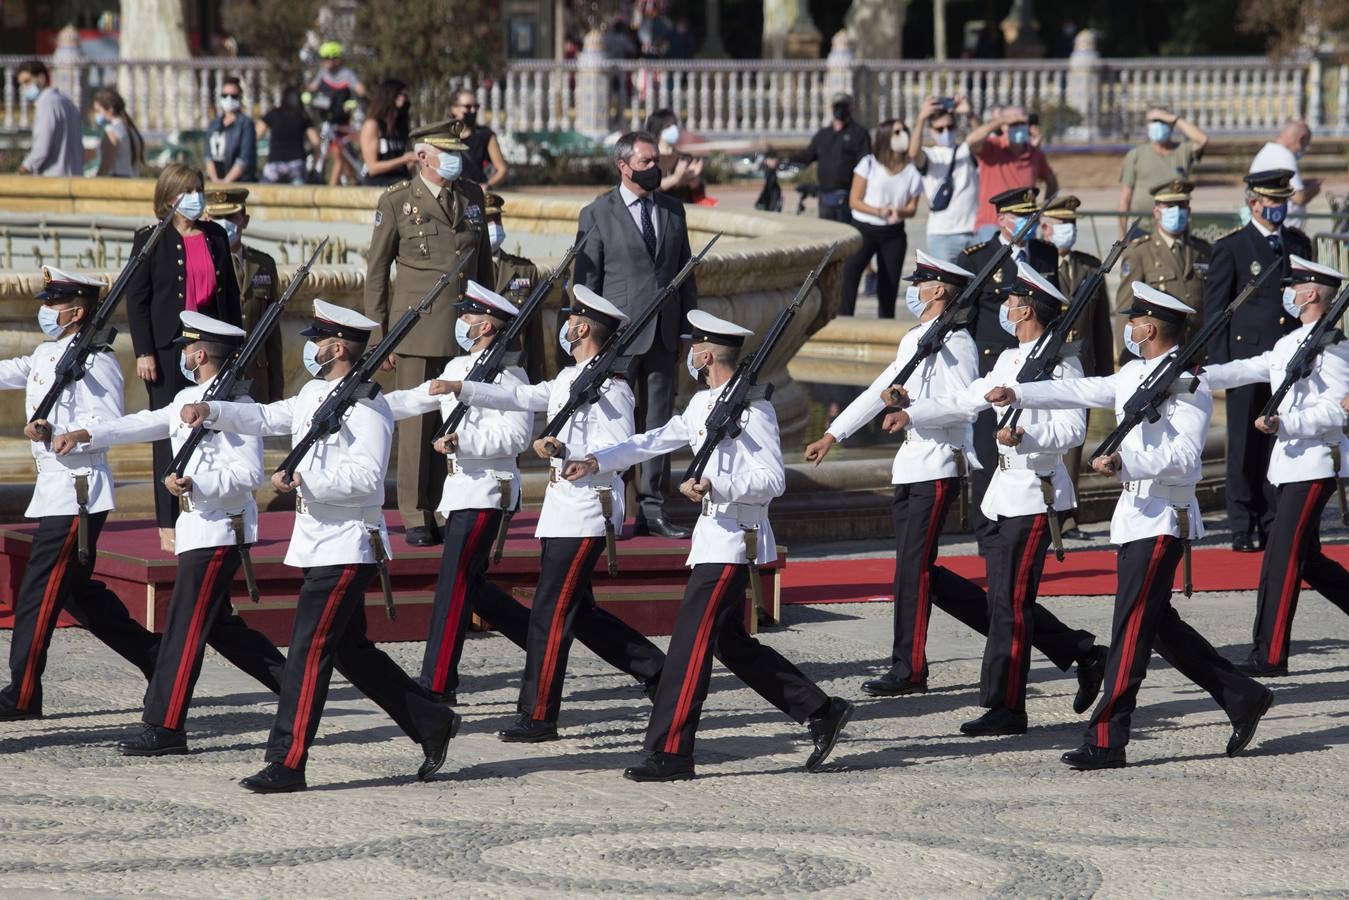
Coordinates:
[1130,637]
[308,685]
[917,665]
[46,610]
[1292,576]
[450,629]
[1020,602]
[187,655]
[555,629]
[701,643]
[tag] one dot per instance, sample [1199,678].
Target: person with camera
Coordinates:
[950,173]
[1009,157]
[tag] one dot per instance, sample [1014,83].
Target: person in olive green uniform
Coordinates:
[425,225]
[516,278]
[1058,226]
[259,287]
[1170,259]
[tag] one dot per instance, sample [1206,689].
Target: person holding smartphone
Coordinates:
[949,171]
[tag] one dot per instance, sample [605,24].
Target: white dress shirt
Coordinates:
[745,471]
[225,469]
[634,205]
[1162,460]
[928,453]
[1015,488]
[489,439]
[1311,421]
[97,397]
[571,509]
[341,477]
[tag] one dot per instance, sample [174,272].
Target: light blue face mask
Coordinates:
[694,372]
[670,134]
[912,301]
[49,320]
[1159,132]
[1175,219]
[31,92]
[1130,344]
[1005,319]
[562,340]
[231,231]
[461,335]
[189,374]
[1019,224]
[496,234]
[451,165]
[1290,304]
[1064,235]
[100,120]
[311,359]
[191,205]
[1275,215]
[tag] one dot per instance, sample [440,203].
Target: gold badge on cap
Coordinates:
[1255,267]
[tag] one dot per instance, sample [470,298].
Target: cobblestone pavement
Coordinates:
[906,807]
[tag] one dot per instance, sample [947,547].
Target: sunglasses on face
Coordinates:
[231,96]
[943,129]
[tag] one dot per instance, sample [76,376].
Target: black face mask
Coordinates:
[842,112]
[470,118]
[647,179]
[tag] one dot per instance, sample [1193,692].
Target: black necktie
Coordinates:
[1275,244]
[648,227]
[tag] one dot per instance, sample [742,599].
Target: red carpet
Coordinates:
[1084,572]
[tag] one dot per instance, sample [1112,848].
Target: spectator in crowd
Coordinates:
[884,192]
[289,128]
[231,138]
[1284,152]
[681,174]
[333,98]
[483,161]
[837,147]
[57,148]
[121,150]
[682,41]
[190,268]
[385,154]
[1007,159]
[950,174]
[1162,158]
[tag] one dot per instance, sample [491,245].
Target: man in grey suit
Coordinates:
[639,244]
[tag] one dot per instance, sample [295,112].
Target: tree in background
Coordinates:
[1288,25]
[273,30]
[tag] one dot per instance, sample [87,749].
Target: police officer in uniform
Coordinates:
[259,287]
[577,520]
[218,519]
[1255,328]
[1160,463]
[742,478]
[1305,467]
[516,277]
[338,540]
[1170,258]
[66,490]
[1012,207]
[425,225]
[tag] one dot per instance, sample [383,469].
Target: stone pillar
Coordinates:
[67,70]
[876,28]
[165,99]
[712,47]
[838,78]
[939,30]
[592,87]
[1020,33]
[1085,74]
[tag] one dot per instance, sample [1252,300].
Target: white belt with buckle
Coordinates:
[1040,463]
[72,463]
[232,505]
[749,514]
[498,467]
[333,514]
[1174,494]
[955,436]
[591,481]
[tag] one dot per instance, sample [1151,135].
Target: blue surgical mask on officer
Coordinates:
[696,373]
[49,320]
[1175,219]
[461,335]
[914,302]
[1019,224]
[191,205]
[1018,134]
[1133,346]
[1064,235]
[1005,319]
[311,359]
[231,231]
[563,341]
[1159,132]
[1275,215]
[496,234]
[189,372]
[1290,304]
[451,165]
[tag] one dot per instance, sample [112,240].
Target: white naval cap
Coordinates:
[1148,301]
[1304,270]
[705,328]
[199,327]
[929,268]
[1029,281]
[586,302]
[58,285]
[478,299]
[331,320]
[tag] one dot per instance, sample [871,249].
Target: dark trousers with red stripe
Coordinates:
[1292,554]
[54,581]
[711,622]
[200,612]
[564,606]
[918,511]
[1145,620]
[1015,550]
[329,632]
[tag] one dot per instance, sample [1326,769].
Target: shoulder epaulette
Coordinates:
[973,247]
[519,260]
[394,187]
[1140,240]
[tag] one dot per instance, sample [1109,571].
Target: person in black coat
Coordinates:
[1238,258]
[190,268]
[990,339]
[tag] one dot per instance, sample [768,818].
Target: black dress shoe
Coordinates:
[661,767]
[1090,675]
[1243,729]
[423,537]
[154,741]
[825,730]
[1087,757]
[661,527]
[1243,543]
[890,686]
[437,746]
[997,721]
[275,779]
[447,699]
[10,713]
[1257,668]
[1074,534]
[528,731]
